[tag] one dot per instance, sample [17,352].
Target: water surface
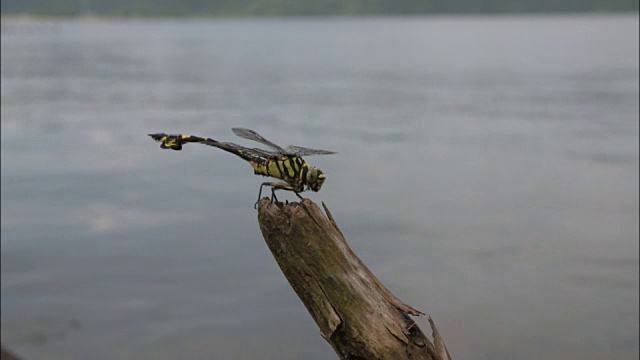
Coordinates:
[487,174]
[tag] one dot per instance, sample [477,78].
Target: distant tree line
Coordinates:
[305,7]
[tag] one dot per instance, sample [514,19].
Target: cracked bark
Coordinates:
[355,312]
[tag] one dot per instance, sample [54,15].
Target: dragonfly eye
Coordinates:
[312,175]
[315,178]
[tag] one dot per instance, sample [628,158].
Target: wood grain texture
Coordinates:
[355,312]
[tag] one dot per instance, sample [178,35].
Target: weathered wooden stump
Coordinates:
[356,314]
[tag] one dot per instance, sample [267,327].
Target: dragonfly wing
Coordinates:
[265,153]
[252,135]
[302,151]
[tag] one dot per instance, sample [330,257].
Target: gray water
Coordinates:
[487,173]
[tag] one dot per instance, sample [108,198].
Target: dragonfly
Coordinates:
[285,164]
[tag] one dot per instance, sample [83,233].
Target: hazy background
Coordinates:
[307,7]
[487,173]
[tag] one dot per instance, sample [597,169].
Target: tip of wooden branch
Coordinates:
[281,215]
[441,348]
[268,207]
[266,203]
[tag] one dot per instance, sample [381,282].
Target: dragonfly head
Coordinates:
[315,178]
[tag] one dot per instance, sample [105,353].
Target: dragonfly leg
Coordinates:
[255,206]
[274,186]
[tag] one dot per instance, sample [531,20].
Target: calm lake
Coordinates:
[487,172]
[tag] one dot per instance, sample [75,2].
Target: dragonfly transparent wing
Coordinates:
[252,135]
[265,153]
[302,151]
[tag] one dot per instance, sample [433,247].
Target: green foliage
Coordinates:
[304,7]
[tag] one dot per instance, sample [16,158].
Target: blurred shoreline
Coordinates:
[449,15]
